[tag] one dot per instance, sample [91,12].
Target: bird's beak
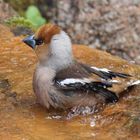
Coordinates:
[30,41]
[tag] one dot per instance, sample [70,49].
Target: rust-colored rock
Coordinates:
[22,118]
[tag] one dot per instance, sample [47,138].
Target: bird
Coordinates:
[61,81]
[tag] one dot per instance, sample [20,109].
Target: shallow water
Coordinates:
[21,118]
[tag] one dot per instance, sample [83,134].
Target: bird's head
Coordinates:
[51,44]
[43,35]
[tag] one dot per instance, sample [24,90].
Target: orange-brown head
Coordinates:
[43,35]
[46,32]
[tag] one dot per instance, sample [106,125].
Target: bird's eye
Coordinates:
[38,41]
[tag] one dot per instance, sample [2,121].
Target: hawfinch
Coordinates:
[60,81]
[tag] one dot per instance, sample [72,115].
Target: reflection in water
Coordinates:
[21,118]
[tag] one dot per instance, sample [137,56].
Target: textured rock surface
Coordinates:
[109,25]
[112,25]
[6,11]
[21,118]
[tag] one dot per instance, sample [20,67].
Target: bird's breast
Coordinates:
[42,84]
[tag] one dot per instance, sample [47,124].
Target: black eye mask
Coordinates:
[38,41]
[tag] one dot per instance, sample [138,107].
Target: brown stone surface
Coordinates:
[22,118]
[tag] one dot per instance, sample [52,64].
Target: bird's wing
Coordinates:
[104,73]
[80,77]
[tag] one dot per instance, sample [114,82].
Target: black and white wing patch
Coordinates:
[88,85]
[105,73]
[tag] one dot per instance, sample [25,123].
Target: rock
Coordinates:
[11,94]
[4,84]
[21,30]
[115,24]
[112,25]
[18,110]
[6,11]
[2,96]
